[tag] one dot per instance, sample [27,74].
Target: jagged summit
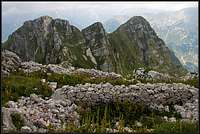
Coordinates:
[97,24]
[45,17]
[99,45]
[138,25]
[40,19]
[97,27]
[134,44]
[142,47]
[137,19]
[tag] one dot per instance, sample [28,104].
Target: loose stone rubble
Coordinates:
[52,85]
[58,69]
[39,114]
[141,73]
[157,96]
[10,62]
[190,76]
[97,73]
[61,108]
[29,67]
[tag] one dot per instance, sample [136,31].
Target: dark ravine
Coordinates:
[133,45]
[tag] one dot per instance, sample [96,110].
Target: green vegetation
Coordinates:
[176,127]
[64,79]
[17,120]
[129,54]
[80,61]
[103,116]
[15,86]
[100,117]
[22,84]
[192,82]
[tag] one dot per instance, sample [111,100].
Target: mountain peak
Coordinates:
[134,44]
[46,17]
[137,18]
[138,27]
[98,24]
[138,22]
[45,20]
[95,26]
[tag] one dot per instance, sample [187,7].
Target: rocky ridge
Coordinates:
[158,96]
[142,45]
[53,41]
[10,62]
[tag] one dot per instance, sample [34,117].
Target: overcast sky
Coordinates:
[21,7]
[15,13]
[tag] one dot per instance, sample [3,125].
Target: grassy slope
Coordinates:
[131,56]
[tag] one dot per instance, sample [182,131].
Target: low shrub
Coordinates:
[18,122]
[126,113]
[15,86]
[193,82]
[176,127]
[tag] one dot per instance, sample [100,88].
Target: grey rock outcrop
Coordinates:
[157,75]
[156,96]
[98,46]
[25,129]
[97,73]
[136,44]
[53,41]
[58,69]
[31,66]
[39,114]
[7,120]
[10,62]
[46,40]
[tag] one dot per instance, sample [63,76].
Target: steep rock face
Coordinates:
[136,44]
[98,44]
[179,31]
[10,62]
[133,45]
[47,40]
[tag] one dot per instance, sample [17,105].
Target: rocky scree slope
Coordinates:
[61,108]
[39,114]
[12,63]
[158,96]
[134,44]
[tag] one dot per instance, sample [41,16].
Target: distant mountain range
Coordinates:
[178,29]
[132,45]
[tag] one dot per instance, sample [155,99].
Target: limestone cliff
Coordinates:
[134,44]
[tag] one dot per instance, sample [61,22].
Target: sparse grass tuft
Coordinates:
[176,127]
[15,86]
[17,120]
